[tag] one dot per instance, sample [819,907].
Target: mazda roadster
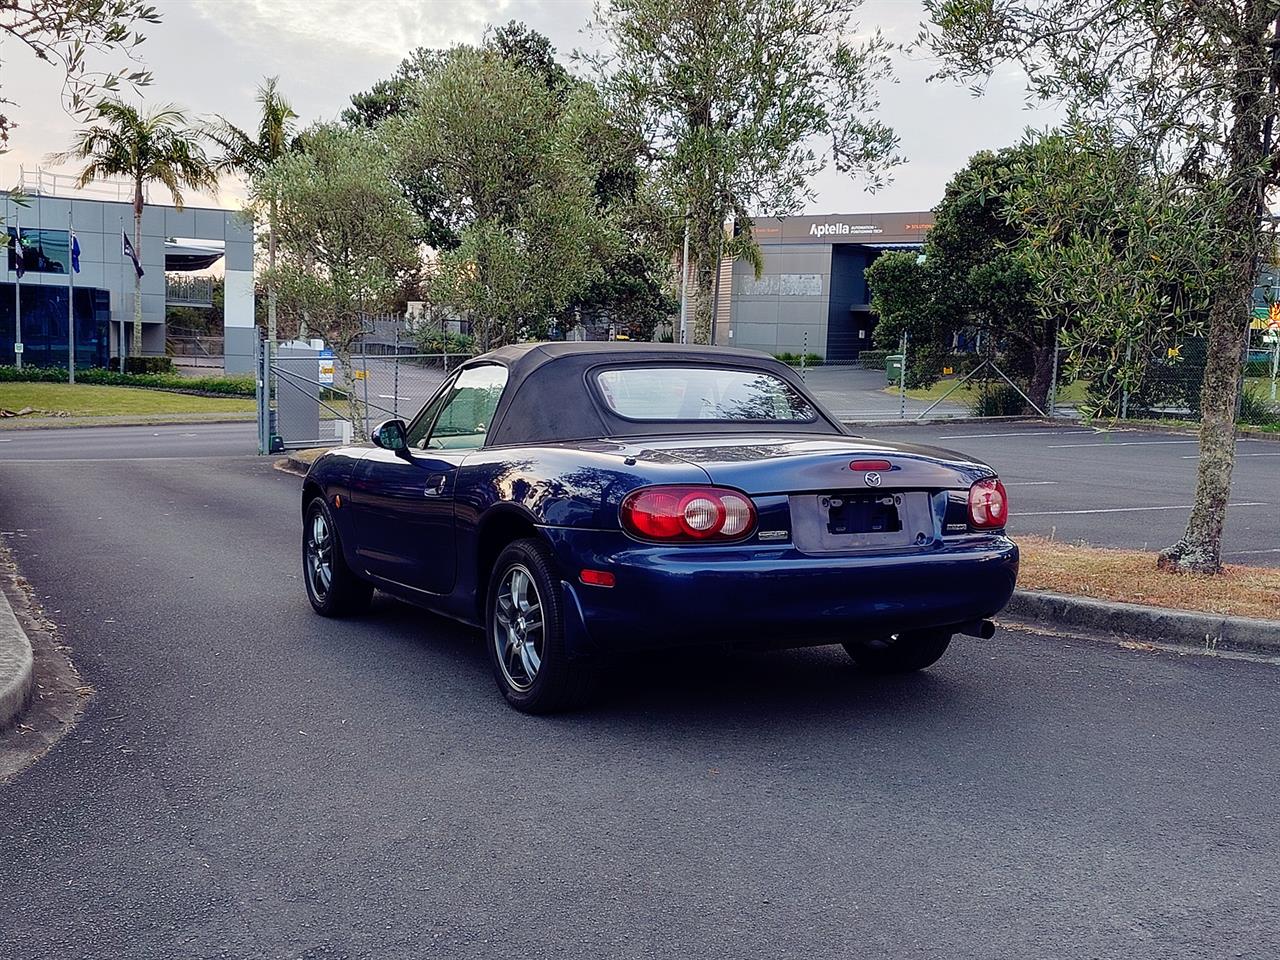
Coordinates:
[578,501]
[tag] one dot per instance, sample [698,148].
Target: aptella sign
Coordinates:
[840,229]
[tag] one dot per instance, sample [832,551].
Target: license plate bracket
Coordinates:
[863,513]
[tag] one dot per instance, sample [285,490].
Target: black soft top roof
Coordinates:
[549,398]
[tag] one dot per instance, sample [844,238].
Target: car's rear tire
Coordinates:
[332,587]
[524,631]
[901,652]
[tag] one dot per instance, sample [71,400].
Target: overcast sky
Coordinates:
[209,55]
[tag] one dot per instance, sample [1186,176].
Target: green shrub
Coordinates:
[997,399]
[148,365]
[241,386]
[796,359]
[873,359]
[1257,410]
[436,341]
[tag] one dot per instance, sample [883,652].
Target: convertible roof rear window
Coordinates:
[694,392]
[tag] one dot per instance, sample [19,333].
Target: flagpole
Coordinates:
[120,346]
[71,299]
[17,297]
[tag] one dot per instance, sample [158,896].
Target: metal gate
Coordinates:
[307,397]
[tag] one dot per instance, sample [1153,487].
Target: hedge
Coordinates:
[222,386]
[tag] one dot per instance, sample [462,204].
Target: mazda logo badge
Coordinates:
[873,479]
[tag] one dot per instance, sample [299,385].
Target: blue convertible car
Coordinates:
[578,500]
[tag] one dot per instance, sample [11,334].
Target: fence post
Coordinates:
[902,379]
[258,380]
[364,368]
[395,378]
[1124,392]
[1053,381]
[804,350]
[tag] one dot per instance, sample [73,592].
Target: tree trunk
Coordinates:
[1200,549]
[702,299]
[1041,376]
[137,280]
[355,407]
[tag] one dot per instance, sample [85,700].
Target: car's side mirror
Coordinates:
[391,435]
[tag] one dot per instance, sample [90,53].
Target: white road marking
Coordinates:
[1121,443]
[1019,433]
[1064,513]
[1247,553]
[1196,456]
[1031,483]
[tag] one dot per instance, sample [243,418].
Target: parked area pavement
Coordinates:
[1114,488]
[251,781]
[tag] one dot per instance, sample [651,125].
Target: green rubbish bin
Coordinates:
[893,368]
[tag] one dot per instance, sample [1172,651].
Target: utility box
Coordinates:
[297,393]
[893,368]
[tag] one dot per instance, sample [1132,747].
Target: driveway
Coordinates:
[250,781]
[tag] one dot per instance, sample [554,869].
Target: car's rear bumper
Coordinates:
[773,595]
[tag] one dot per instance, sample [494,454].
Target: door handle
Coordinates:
[435,486]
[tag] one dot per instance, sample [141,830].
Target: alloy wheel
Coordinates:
[518,628]
[320,556]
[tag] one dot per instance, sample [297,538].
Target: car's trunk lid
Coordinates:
[839,495]
[764,464]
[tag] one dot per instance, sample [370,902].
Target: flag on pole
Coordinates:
[75,252]
[129,252]
[19,252]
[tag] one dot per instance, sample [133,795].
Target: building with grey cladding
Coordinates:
[173,241]
[812,296]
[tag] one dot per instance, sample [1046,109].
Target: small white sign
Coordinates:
[326,368]
[17,348]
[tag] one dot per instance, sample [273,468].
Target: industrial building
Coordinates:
[812,296]
[178,249]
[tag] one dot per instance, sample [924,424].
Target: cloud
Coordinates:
[386,28]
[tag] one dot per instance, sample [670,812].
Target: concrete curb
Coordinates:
[1206,632]
[17,678]
[293,465]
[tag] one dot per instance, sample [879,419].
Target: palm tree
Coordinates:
[153,147]
[253,156]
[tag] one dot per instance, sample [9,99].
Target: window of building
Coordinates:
[42,251]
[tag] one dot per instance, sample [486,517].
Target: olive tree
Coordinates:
[740,103]
[346,237]
[1193,87]
[516,188]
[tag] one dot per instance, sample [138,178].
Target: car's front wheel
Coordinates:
[525,633]
[333,589]
[901,652]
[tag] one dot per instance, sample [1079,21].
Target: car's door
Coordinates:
[405,499]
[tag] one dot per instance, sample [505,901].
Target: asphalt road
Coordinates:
[250,781]
[1124,488]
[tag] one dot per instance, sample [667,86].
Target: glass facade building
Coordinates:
[44,325]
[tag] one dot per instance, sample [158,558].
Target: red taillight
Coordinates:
[988,505]
[597,578]
[688,513]
[865,466]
